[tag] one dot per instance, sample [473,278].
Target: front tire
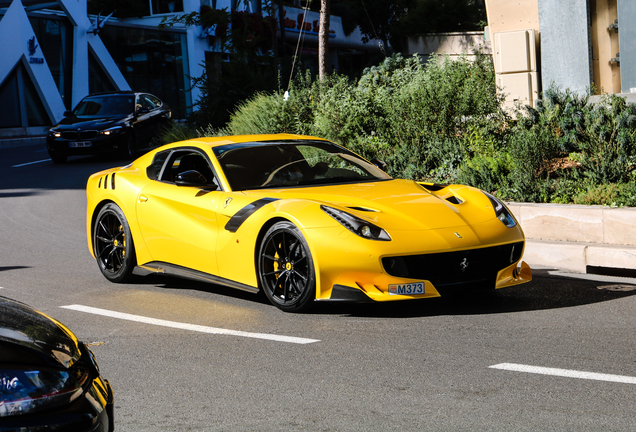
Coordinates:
[113,244]
[285,268]
[58,158]
[129,150]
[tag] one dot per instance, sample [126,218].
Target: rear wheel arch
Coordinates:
[132,223]
[96,211]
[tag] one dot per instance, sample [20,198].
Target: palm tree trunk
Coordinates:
[323,40]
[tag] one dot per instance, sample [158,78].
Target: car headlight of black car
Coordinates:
[112,131]
[28,390]
[24,390]
[502,212]
[54,133]
[357,225]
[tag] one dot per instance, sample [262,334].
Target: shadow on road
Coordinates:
[546,291]
[30,168]
[7,268]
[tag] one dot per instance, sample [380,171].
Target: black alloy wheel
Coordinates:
[57,157]
[286,269]
[113,243]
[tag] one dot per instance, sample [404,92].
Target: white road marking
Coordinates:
[565,373]
[30,163]
[185,326]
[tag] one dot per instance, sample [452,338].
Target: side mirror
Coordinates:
[193,178]
[380,164]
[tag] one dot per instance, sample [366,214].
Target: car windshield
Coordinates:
[106,105]
[293,163]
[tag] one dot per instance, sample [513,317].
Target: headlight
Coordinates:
[54,133]
[112,131]
[502,212]
[357,225]
[24,391]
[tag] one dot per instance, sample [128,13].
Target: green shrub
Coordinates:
[259,115]
[344,111]
[490,173]
[175,132]
[441,121]
[614,195]
[608,141]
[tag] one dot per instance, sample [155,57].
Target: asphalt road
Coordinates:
[218,359]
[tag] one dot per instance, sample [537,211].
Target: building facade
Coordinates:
[54,54]
[586,46]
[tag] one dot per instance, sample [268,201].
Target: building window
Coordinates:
[165,6]
[18,92]
[98,81]
[55,38]
[152,61]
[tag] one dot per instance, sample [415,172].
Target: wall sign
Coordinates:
[33,46]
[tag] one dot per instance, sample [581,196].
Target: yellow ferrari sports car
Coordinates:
[301,219]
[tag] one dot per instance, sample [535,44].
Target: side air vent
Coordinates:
[100,183]
[112,181]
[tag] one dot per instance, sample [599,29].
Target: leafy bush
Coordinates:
[442,121]
[175,132]
[607,148]
[615,194]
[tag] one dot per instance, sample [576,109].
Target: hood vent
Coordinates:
[363,209]
[454,200]
[433,187]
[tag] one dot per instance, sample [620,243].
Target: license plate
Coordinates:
[80,144]
[407,289]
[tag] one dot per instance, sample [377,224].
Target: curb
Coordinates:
[578,238]
[593,258]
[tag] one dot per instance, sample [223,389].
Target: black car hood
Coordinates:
[75,123]
[29,336]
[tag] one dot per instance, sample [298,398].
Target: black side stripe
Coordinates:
[241,216]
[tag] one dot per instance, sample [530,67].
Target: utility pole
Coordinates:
[323,40]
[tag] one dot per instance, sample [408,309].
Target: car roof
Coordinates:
[235,139]
[112,93]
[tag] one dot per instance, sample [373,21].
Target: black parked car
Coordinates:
[49,381]
[121,122]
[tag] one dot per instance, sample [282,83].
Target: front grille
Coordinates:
[450,268]
[70,135]
[85,135]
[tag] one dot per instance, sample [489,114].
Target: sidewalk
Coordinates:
[582,239]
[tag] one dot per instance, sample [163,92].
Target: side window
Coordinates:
[186,160]
[155,102]
[154,169]
[145,103]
